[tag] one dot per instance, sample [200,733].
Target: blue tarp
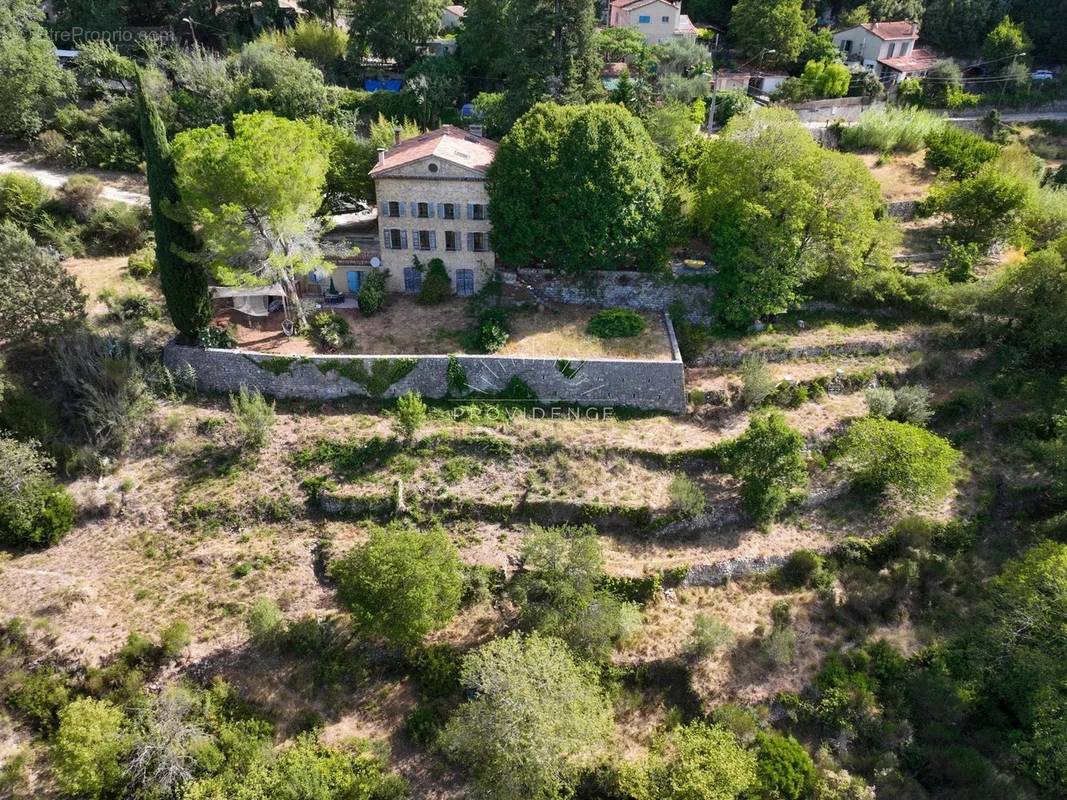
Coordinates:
[389,85]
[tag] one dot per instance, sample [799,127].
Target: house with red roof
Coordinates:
[433,203]
[887,49]
[657,20]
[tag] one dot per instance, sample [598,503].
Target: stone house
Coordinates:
[433,203]
[657,20]
[452,16]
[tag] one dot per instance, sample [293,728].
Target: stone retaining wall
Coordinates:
[650,385]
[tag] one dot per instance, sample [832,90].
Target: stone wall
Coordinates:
[650,385]
[640,291]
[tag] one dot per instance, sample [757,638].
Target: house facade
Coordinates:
[872,41]
[657,20]
[433,203]
[452,16]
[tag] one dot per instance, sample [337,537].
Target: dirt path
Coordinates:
[119,187]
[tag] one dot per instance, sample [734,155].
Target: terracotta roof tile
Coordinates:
[448,143]
[915,61]
[901,29]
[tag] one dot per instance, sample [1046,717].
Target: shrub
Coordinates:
[802,569]
[779,645]
[21,198]
[34,511]
[116,229]
[698,760]
[410,414]
[79,196]
[436,669]
[129,305]
[253,417]
[730,103]
[40,696]
[142,263]
[436,285]
[768,459]
[757,381]
[708,636]
[616,323]
[329,331]
[401,583]
[960,260]
[959,152]
[266,623]
[912,404]
[686,498]
[883,455]
[783,767]
[217,338]
[89,749]
[372,291]
[493,330]
[880,401]
[983,209]
[889,129]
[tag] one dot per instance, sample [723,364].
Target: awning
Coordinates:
[226,292]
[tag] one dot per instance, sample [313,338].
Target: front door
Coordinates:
[353,281]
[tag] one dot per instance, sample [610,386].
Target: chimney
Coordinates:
[396,136]
[477,130]
[381,155]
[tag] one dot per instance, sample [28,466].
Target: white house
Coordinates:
[657,20]
[451,17]
[872,41]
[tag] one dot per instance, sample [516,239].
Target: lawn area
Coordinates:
[902,176]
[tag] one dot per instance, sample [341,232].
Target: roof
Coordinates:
[918,60]
[901,29]
[614,69]
[685,25]
[459,11]
[448,143]
[627,3]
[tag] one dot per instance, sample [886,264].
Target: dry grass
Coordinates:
[562,332]
[902,176]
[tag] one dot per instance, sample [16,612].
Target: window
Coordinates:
[412,280]
[394,209]
[422,210]
[425,240]
[396,239]
[451,241]
[846,45]
[432,167]
[644,19]
[478,242]
[446,210]
[464,282]
[892,47]
[904,47]
[665,20]
[477,211]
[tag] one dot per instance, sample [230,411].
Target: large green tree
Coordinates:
[401,584]
[255,197]
[959,27]
[480,42]
[393,30]
[32,83]
[181,277]
[535,720]
[779,210]
[769,460]
[578,188]
[700,761]
[38,298]
[760,26]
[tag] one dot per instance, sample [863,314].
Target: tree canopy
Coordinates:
[393,30]
[32,83]
[760,26]
[578,188]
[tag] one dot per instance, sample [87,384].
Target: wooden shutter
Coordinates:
[403,240]
[387,239]
[441,210]
[470,210]
[433,240]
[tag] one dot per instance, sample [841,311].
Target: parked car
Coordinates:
[1041,75]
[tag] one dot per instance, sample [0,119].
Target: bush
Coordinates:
[784,770]
[708,636]
[881,400]
[983,209]
[959,152]
[253,417]
[89,749]
[410,414]
[494,330]
[116,229]
[436,669]
[142,263]
[912,405]
[372,291]
[214,337]
[730,103]
[889,129]
[79,196]
[616,323]
[686,498]
[757,381]
[34,511]
[698,760]
[801,570]
[768,459]
[436,285]
[266,623]
[884,455]
[329,331]
[40,696]
[21,198]
[132,304]
[779,645]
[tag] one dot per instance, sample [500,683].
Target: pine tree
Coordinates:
[183,280]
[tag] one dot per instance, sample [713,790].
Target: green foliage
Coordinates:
[266,623]
[729,103]
[1005,42]
[182,279]
[330,331]
[39,299]
[34,511]
[393,31]
[781,211]
[700,760]
[254,419]
[1029,296]
[22,198]
[802,569]
[757,381]
[401,584]
[456,377]
[960,152]
[436,285]
[883,455]
[437,86]
[982,209]
[535,721]
[783,767]
[708,636]
[372,291]
[891,129]
[317,41]
[383,373]
[881,400]
[410,414]
[616,323]
[31,81]
[558,592]
[686,498]
[768,459]
[961,258]
[906,404]
[142,264]
[493,329]
[820,79]
[89,747]
[583,157]
[279,82]
[40,696]
[778,25]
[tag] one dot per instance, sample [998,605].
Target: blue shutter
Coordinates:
[414,209]
[441,210]
[400,209]
[470,210]
[384,210]
[403,240]
[488,244]
[409,280]
[433,240]
[387,239]
[459,241]
[353,281]
[430,209]
[470,241]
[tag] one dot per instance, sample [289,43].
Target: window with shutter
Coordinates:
[412,280]
[403,240]
[464,282]
[433,240]
[470,241]
[470,210]
[451,241]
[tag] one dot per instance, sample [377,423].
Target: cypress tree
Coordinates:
[184,282]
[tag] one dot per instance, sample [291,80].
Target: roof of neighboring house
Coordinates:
[635,3]
[459,11]
[685,25]
[917,60]
[902,29]
[614,69]
[448,143]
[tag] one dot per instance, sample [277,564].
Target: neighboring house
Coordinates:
[433,203]
[914,65]
[874,42]
[733,81]
[769,82]
[452,16]
[657,20]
